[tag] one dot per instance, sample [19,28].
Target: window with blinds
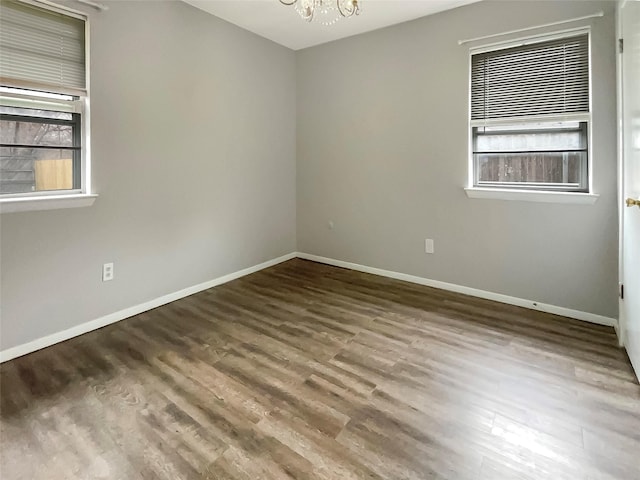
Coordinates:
[43,93]
[530,114]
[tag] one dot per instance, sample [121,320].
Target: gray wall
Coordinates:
[382,152]
[193,157]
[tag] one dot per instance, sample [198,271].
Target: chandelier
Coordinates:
[327,12]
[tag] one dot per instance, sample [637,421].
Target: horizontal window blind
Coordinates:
[546,78]
[41,49]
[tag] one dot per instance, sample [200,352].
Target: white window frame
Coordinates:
[26,96]
[528,193]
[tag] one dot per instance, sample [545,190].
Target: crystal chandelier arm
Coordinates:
[345,11]
[308,15]
[288,3]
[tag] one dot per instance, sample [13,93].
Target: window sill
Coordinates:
[51,202]
[532,196]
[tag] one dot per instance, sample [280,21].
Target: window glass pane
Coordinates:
[33,112]
[24,170]
[516,142]
[35,133]
[537,137]
[533,126]
[37,93]
[536,168]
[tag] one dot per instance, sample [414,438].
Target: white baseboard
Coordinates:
[131,311]
[474,292]
[58,337]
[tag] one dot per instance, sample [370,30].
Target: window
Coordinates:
[43,95]
[530,116]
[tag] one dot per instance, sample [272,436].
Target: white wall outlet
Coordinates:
[107,272]
[428,245]
[330,225]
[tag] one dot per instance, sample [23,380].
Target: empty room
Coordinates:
[319,239]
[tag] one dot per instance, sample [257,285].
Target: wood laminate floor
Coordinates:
[305,371]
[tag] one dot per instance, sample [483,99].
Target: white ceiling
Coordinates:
[283,25]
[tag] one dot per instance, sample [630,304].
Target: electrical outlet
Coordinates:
[107,272]
[428,245]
